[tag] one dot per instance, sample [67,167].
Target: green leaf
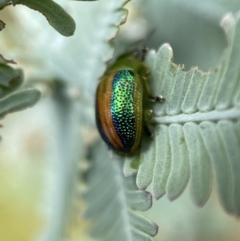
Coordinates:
[4,3]
[10,79]
[113,201]
[19,101]
[197,128]
[55,14]
[2,25]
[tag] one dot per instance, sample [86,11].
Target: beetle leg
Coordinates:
[140,53]
[147,115]
[159,98]
[144,52]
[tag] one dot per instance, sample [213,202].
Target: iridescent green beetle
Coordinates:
[119,103]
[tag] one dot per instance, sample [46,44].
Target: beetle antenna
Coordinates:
[144,52]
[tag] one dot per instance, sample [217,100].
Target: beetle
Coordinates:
[120,116]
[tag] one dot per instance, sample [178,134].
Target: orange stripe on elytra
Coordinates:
[104,94]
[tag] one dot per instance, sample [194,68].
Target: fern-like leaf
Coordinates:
[2,25]
[113,201]
[197,130]
[19,101]
[57,17]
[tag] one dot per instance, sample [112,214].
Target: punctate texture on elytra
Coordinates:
[119,110]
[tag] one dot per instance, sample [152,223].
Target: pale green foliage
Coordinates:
[197,127]
[2,25]
[10,80]
[56,15]
[18,101]
[112,201]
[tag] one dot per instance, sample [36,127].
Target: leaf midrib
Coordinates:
[215,115]
[123,201]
